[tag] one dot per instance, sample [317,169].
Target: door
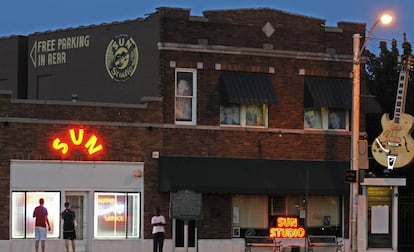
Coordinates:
[185,235]
[79,205]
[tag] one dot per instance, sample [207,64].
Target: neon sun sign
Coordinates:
[76,139]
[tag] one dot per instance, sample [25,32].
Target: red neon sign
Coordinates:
[287,227]
[77,139]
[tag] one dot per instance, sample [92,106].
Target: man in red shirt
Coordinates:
[40,213]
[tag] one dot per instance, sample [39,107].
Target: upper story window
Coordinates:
[185,96]
[245,98]
[327,103]
[326,118]
[244,115]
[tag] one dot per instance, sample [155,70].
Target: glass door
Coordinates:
[78,205]
[185,235]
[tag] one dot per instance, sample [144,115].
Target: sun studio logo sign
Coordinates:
[121,57]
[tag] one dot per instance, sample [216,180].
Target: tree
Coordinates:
[382,76]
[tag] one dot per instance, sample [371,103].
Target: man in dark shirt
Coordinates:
[69,222]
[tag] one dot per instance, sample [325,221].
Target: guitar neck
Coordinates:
[402,90]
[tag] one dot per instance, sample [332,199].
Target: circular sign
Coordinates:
[121,57]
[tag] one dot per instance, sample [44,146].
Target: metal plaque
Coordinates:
[186,205]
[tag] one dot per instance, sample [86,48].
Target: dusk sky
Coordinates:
[23,17]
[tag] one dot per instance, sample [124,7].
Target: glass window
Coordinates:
[312,118]
[255,115]
[336,119]
[326,118]
[324,211]
[117,215]
[23,205]
[244,115]
[185,96]
[287,205]
[252,210]
[322,214]
[230,115]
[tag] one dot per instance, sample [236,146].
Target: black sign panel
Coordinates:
[186,205]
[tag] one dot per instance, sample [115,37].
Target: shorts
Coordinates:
[69,235]
[40,233]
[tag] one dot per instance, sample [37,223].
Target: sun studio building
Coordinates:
[235,123]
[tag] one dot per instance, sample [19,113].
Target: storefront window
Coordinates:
[321,214]
[23,205]
[117,215]
[324,215]
[250,213]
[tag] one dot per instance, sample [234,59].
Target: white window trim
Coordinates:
[193,97]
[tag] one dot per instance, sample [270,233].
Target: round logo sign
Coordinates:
[121,57]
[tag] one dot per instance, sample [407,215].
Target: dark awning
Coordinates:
[247,88]
[233,175]
[328,92]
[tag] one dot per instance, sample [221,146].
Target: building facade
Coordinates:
[226,121]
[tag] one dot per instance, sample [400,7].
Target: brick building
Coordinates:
[209,117]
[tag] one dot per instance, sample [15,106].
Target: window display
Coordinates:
[117,215]
[23,205]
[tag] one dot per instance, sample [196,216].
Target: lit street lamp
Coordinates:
[356,88]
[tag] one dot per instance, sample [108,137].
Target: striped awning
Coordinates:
[246,88]
[328,92]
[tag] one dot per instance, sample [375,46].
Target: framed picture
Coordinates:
[312,118]
[236,231]
[336,119]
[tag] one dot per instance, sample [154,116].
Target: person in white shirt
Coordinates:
[158,230]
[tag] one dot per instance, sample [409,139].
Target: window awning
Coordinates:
[247,88]
[233,175]
[328,92]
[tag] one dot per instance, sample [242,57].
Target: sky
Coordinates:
[24,17]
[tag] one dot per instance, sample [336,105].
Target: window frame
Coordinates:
[243,118]
[134,233]
[323,113]
[183,97]
[31,200]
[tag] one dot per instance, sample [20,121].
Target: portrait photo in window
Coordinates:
[230,115]
[312,118]
[184,86]
[254,115]
[183,109]
[336,119]
[184,96]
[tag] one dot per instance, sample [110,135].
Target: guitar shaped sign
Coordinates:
[394,147]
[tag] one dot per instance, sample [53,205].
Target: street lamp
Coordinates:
[356,88]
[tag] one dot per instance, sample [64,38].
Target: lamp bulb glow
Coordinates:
[386,19]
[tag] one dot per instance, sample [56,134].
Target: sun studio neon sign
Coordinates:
[77,139]
[287,227]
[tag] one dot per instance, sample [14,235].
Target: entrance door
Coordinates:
[185,235]
[79,205]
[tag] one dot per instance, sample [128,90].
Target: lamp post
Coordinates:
[356,88]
